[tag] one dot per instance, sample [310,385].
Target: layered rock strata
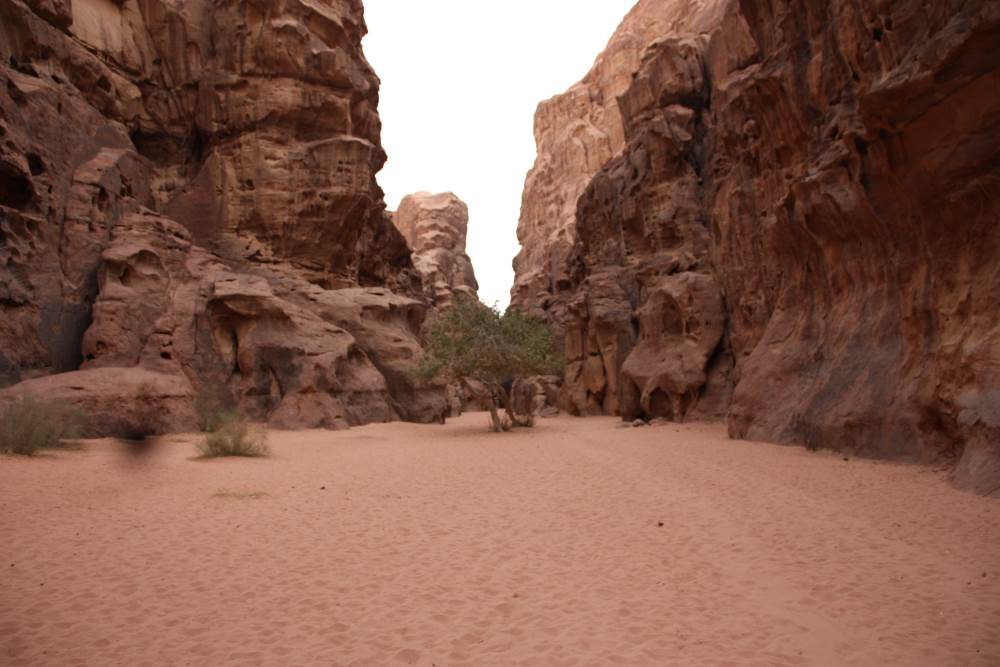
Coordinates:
[802,213]
[435,227]
[189,189]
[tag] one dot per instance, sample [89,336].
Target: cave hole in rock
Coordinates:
[224,326]
[196,147]
[234,341]
[102,200]
[35,164]
[861,145]
[275,389]
[125,276]
[15,189]
[660,405]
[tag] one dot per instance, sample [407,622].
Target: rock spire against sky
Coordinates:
[460,83]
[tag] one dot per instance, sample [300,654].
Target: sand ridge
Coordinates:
[575,543]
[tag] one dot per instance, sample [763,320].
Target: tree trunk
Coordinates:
[508,406]
[526,421]
[497,425]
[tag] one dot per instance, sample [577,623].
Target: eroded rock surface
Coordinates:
[576,133]
[289,351]
[189,189]
[435,227]
[797,228]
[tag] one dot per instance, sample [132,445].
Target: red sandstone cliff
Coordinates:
[576,133]
[187,191]
[803,213]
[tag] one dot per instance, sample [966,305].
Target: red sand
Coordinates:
[451,546]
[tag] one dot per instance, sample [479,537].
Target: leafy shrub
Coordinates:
[472,341]
[234,437]
[28,425]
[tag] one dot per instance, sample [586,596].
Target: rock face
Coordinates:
[435,227]
[798,229]
[576,133]
[188,188]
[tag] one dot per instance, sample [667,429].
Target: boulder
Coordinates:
[116,402]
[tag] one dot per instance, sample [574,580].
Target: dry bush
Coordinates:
[240,495]
[234,437]
[28,425]
[213,407]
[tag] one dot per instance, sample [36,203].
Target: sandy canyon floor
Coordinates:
[576,543]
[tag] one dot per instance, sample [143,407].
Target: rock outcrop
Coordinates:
[435,227]
[798,229]
[576,133]
[188,189]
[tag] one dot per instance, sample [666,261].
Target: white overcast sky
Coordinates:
[460,83]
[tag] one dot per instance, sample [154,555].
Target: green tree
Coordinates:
[471,341]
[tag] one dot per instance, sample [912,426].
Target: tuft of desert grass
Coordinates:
[213,407]
[240,495]
[28,425]
[234,437]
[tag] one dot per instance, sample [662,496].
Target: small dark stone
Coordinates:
[660,524]
[846,459]
[322,488]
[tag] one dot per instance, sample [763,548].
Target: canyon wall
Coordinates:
[798,230]
[576,133]
[435,227]
[188,198]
